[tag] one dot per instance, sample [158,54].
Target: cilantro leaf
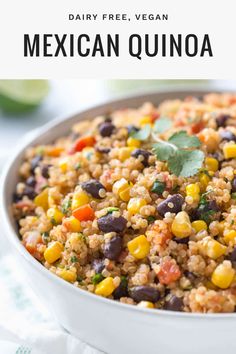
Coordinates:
[182,140]
[143,133]
[185,163]
[163,151]
[162,124]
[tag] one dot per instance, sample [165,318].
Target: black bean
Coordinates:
[183,241]
[177,200]
[109,223]
[106,129]
[35,162]
[121,290]
[44,171]
[190,275]
[221,120]
[16,197]
[234,185]
[145,155]
[227,135]
[174,303]
[232,255]
[113,248]
[98,265]
[144,293]
[29,192]
[93,187]
[102,149]
[31,181]
[132,129]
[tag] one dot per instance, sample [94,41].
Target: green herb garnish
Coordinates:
[77,166]
[143,133]
[74,259]
[97,278]
[111,209]
[180,153]
[233,195]
[151,219]
[158,187]
[66,205]
[162,124]
[203,198]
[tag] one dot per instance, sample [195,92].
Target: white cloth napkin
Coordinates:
[26,327]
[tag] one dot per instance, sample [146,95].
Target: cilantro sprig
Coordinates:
[181,154]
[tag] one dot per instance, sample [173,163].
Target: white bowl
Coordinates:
[108,325]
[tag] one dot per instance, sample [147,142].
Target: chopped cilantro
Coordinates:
[97,278]
[74,259]
[111,209]
[77,166]
[151,219]
[66,206]
[158,187]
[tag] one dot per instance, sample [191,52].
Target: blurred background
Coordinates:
[28,104]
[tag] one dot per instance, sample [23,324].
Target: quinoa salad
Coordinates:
[139,205]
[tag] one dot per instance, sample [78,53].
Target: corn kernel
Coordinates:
[229,151]
[146,304]
[212,248]
[122,188]
[120,185]
[181,226]
[193,190]
[135,204]
[204,180]
[79,198]
[68,275]
[211,164]
[63,164]
[199,225]
[223,275]
[125,153]
[53,252]
[42,199]
[139,247]
[72,224]
[55,215]
[230,237]
[105,287]
[125,195]
[221,227]
[133,142]
[145,120]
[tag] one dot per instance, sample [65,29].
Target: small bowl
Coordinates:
[108,325]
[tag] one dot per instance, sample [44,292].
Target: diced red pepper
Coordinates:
[154,116]
[197,127]
[169,272]
[84,213]
[81,143]
[33,243]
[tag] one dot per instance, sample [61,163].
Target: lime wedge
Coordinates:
[18,96]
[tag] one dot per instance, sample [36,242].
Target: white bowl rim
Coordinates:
[27,140]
